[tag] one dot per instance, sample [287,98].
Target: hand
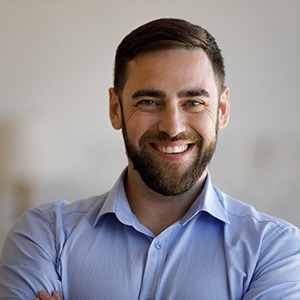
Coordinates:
[43,295]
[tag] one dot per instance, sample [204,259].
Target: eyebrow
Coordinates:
[149,93]
[160,94]
[194,93]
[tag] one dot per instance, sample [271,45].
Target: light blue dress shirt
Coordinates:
[97,249]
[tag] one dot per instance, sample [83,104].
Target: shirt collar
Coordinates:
[208,201]
[117,203]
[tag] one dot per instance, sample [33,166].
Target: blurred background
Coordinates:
[56,65]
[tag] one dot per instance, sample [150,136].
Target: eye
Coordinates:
[193,103]
[146,102]
[148,105]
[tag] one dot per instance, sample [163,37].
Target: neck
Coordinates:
[156,211]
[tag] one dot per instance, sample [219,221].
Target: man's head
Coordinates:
[166,34]
[170,101]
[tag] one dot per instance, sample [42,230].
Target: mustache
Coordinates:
[161,136]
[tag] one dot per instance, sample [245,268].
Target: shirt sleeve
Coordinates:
[29,258]
[277,274]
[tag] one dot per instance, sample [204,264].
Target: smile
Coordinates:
[172,150]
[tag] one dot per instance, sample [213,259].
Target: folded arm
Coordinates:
[29,258]
[277,273]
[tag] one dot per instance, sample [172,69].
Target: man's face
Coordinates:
[170,117]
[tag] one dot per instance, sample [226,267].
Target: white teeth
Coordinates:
[175,149]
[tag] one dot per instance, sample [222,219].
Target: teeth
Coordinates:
[175,149]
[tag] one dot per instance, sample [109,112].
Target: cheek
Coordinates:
[136,128]
[204,126]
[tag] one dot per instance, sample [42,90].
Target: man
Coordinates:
[164,231]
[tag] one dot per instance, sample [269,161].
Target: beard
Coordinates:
[168,178]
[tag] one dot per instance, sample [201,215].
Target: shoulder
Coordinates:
[244,219]
[239,210]
[54,221]
[69,214]
[67,208]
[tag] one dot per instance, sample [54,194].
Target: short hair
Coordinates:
[161,34]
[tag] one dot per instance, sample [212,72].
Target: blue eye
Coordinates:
[193,103]
[146,102]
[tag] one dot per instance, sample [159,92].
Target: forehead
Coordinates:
[172,68]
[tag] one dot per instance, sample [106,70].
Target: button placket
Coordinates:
[153,269]
[155,263]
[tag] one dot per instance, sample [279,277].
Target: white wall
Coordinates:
[56,61]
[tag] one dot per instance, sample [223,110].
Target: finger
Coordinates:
[43,295]
[57,295]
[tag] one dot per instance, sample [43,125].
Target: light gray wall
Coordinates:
[56,60]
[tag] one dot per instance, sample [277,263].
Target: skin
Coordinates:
[167,108]
[154,99]
[43,295]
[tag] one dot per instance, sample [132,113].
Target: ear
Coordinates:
[114,109]
[224,108]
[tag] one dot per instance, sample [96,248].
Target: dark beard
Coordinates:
[165,177]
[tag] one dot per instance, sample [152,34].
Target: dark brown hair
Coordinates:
[162,34]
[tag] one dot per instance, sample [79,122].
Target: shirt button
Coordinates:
[157,245]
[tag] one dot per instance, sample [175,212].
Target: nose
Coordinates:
[172,121]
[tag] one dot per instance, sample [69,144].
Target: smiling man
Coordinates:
[170,111]
[164,231]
